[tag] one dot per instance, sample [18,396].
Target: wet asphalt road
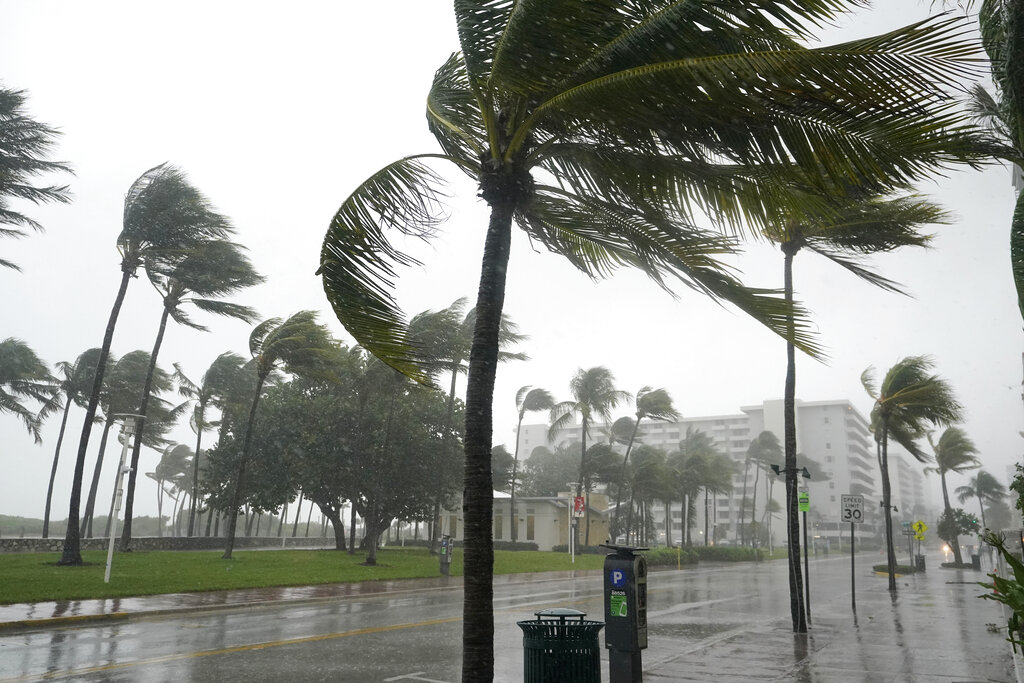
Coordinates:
[712,623]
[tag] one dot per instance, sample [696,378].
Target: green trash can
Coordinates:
[560,646]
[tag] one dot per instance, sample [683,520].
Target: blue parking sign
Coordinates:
[617,577]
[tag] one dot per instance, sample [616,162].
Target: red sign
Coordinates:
[577,506]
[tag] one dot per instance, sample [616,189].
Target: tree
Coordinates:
[546,472]
[174,462]
[645,115]
[25,145]
[502,463]
[75,380]
[213,387]
[594,396]
[164,217]
[655,404]
[24,377]
[762,451]
[303,347]
[986,488]
[208,272]
[847,230]
[907,398]
[953,523]
[528,400]
[954,452]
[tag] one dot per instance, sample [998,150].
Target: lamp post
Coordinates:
[127,432]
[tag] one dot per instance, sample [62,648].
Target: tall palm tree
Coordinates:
[907,398]
[762,451]
[164,217]
[214,386]
[984,487]
[210,271]
[646,115]
[24,377]
[26,143]
[528,400]
[593,396]
[954,452]
[174,461]
[1003,113]
[302,346]
[846,230]
[75,380]
[654,404]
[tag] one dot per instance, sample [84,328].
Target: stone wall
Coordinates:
[46,545]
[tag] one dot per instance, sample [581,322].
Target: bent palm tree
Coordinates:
[303,347]
[594,396]
[23,376]
[848,230]
[25,143]
[76,378]
[646,115]
[211,270]
[655,404]
[985,488]
[907,398]
[217,381]
[954,452]
[164,217]
[528,400]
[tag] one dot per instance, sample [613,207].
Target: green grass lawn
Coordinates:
[35,577]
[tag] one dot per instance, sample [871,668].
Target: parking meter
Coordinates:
[625,612]
[447,550]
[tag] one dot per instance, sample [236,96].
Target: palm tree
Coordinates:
[174,462]
[210,271]
[594,396]
[655,404]
[75,380]
[1003,113]
[762,451]
[302,346]
[646,115]
[528,400]
[26,143]
[212,388]
[954,452]
[164,217]
[846,231]
[985,488]
[23,376]
[907,398]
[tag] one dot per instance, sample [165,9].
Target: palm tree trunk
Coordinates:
[309,516]
[890,551]
[201,417]
[707,518]
[298,513]
[159,510]
[236,495]
[140,428]
[743,505]
[90,503]
[753,509]
[796,580]
[668,523]
[622,473]
[478,605]
[72,552]
[579,484]
[954,542]
[981,506]
[53,469]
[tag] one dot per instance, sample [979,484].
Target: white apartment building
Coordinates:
[834,434]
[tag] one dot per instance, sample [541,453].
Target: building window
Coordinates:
[826,419]
[831,484]
[832,499]
[828,445]
[828,458]
[529,527]
[499,523]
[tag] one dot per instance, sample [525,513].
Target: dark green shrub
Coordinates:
[670,557]
[726,553]
[900,569]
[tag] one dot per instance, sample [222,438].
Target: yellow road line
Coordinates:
[225,651]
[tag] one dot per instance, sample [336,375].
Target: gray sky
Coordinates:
[277,115]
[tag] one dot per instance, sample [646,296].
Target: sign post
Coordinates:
[804,504]
[853,512]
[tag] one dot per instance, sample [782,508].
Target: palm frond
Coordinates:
[454,116]
[358,263]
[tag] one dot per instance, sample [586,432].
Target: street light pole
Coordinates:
[127,432]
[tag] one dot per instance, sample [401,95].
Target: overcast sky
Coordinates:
[276,115]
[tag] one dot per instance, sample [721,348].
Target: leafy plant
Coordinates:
[1008,591]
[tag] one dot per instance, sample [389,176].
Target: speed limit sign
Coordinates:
[853,509]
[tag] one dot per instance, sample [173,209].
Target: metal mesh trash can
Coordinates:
[560,646]
[919,562]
